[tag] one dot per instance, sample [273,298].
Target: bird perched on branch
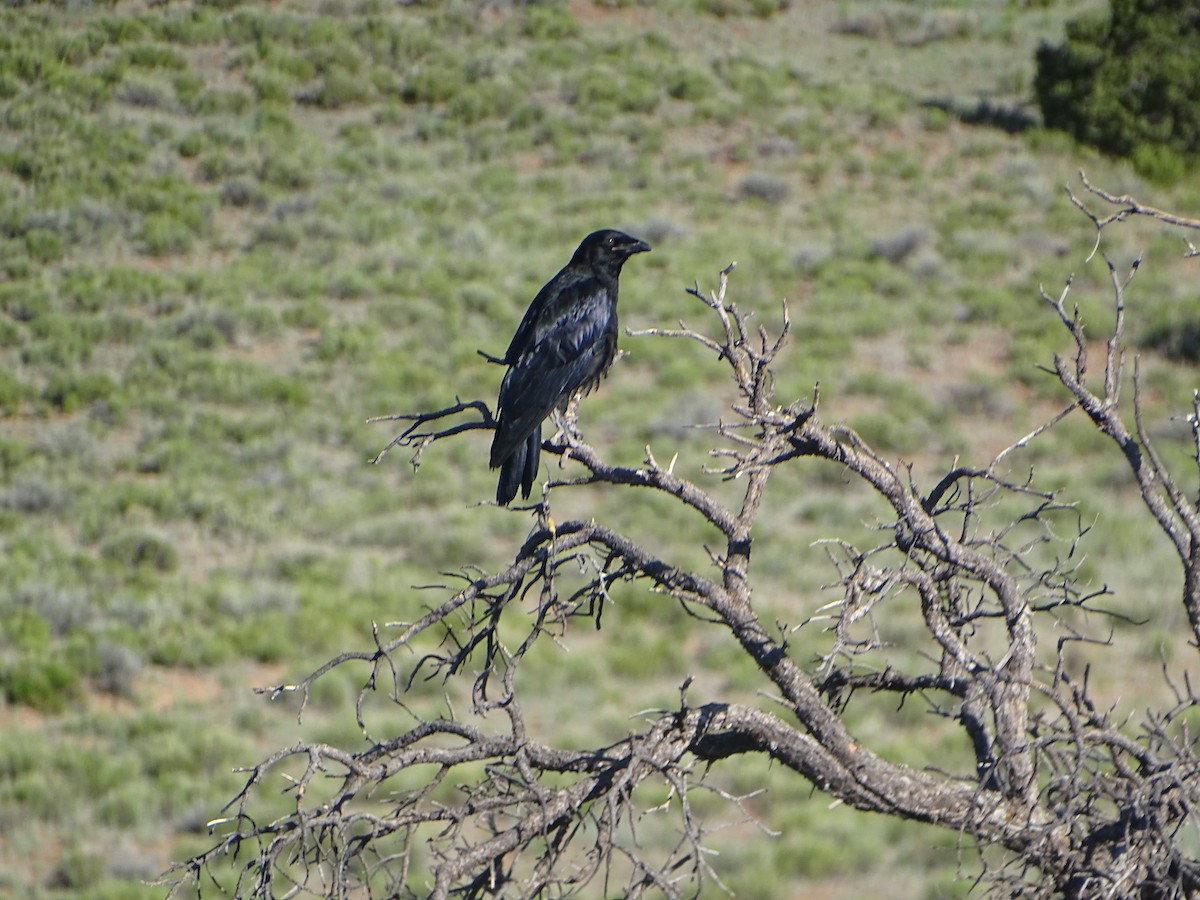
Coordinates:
[564,345]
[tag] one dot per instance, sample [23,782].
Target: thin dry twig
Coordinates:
[421,440]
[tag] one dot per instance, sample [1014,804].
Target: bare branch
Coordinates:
[966,597]
[1129,206]
[420,440]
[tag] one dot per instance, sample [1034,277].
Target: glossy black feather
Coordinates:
[564,344]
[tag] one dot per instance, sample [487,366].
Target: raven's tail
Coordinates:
[520,469]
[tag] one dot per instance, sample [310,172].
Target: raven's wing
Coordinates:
[570,343]
[526,334]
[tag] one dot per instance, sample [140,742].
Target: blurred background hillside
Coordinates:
[230,232]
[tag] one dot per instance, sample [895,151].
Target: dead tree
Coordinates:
[1074,801]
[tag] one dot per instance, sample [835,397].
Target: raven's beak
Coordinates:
[634,247]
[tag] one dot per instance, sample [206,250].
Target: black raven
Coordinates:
[565,343]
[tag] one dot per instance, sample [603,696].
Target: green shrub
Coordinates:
[43,245]
[151,93]
[222,102]
[154,56]
[12,392]
[69,391]
[310,312]
[732,8]
[205,329]
[77,869]
[138,550]
[282,390]
[690,83]
[45,684]
[340,87]
[189,89]
[1178,340]
[434,82]
[190,145]
[1127,79]
[175,214]
[343,342]
[1160,163]
[287,171]
[270,86]
[549,23]
[163,235]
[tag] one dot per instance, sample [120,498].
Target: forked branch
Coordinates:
[419,440]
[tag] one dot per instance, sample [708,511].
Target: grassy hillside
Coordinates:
[230,232]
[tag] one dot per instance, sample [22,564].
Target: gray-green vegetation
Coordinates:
[231,232]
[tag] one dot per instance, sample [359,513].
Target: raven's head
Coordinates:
[608,249]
